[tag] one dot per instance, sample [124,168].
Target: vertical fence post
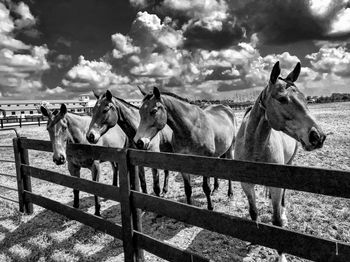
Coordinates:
[38,121]
[136,213]
[23,182]
[20,121]
[131,252]
[2,123]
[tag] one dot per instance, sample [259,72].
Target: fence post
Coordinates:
[2,123]
[131,252]
[20,121]
[38,121]
[23,182]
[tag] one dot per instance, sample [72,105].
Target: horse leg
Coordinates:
[229,155]
[283,212]
[166,182]
[250,193]
[156,187]
[277,198]
[142,179]
[216,185]
[95,169]
[206,189]
[188,187]
[74,171]
[115,173]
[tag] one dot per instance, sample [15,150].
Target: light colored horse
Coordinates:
[110,111]
[270,131]
[207,132]
[63,128]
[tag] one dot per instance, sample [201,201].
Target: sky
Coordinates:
[199,49]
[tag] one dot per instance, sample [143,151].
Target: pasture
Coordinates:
[46,236]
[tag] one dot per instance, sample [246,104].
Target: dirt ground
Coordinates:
[46,236]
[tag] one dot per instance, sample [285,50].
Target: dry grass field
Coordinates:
[46,236]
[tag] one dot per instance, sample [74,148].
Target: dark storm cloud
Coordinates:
[76,27]
[282,22]
[198,36]
[232,86]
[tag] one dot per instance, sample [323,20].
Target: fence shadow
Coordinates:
[49,235]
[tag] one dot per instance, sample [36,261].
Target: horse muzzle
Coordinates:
[143,143]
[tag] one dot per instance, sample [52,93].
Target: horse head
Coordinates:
[153,119]
[104,117]
[286,109]
[57,127]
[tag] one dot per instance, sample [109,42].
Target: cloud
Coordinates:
[280,22]
[330,59]
[21,65]
[88,75]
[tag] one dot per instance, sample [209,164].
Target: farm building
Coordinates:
[24,108]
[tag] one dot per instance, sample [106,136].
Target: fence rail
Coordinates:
[321,181]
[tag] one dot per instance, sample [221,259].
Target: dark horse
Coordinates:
[110,111]
[207,132]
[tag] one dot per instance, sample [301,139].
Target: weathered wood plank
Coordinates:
[166,251]
[298,244]
[93,221]
[315,180]
[36,144]
[92,187]
[23,182]
[95,152]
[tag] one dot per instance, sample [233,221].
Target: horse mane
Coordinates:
[247,110]
[123,101]
[148,96]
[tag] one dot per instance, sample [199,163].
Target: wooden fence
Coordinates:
[13,121]
[328,182]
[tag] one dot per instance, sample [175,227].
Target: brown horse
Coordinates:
[110,111]
[64,127]
[207,132]
[270,131]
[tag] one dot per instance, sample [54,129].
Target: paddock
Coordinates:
[334,247]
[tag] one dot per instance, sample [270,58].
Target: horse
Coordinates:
[270,132]
[207,132]
[110,111]
[65,127]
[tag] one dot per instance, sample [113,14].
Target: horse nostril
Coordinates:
[314,138]
[91,137]
[62,159]
[139,144]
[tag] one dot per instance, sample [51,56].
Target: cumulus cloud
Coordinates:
[21,65]
[87,75]
[330,59]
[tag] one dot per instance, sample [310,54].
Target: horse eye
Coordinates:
[106,109]
[283,100]
[153,111]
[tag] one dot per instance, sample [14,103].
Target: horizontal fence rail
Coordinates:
[299,244]
[92,187]
[314,180]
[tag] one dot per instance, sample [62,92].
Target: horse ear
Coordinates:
[276,70]
[156,92]
[63,109]
[97,95]
[109,95]
[45,112]
[293,76]
[142,91]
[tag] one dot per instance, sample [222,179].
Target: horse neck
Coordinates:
[77,127]
[181,116]
[129,118]
[258,128]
